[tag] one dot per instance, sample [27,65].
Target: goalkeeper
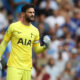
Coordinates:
[23,36]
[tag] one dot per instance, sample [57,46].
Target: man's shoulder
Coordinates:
[34,28]
[15,23]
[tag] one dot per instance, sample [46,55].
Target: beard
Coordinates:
[28,19]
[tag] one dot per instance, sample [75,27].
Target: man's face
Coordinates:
[29,15]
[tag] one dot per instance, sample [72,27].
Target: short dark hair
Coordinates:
[27,6]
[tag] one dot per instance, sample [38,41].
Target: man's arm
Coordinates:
[37,47]
[2,47]
[6,39]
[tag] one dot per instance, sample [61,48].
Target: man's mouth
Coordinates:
[32,16]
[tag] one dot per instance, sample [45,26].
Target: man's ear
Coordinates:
[22,14]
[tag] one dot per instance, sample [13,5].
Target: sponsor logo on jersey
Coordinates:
[24,42]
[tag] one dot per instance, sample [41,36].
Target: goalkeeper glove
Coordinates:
[46,41]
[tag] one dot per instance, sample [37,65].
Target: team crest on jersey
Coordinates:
[31,35]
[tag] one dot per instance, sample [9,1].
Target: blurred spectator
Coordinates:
[3,20]
[70,41]
[64,53]
[76,17]
[65,1]
[66,7]
[51,4]
[59,34]
[68,73]
[73,60]
[52,70]
[43,27]
[56,18]
[78,72]
[42,74]
[46,11]
[55,43]
[48,6]
[8,7]
[65,30]
[43,59]
[78,55]
[60,62]
[70,25]
[77,3]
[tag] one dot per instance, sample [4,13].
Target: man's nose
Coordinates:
[32,13]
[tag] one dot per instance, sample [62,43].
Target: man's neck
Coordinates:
[25,22]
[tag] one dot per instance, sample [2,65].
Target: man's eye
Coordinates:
[31,12]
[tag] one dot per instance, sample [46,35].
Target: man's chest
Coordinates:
[24,36]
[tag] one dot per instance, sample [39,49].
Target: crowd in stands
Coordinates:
[60,19]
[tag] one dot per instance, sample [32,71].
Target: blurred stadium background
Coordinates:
[60,19]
